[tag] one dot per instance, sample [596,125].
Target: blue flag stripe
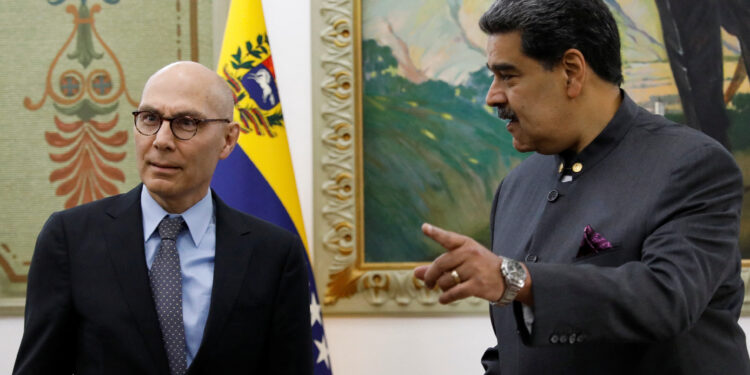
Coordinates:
[238,181]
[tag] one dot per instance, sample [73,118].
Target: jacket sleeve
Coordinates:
[687,257]
[490,358]
[291,338]
[48,342]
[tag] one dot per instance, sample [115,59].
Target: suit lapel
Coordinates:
[233,253]
[125,244]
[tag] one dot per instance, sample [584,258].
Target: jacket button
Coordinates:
[531,258]
[581,338]
[553,195]
[554,339]
[563,339]
[572,338]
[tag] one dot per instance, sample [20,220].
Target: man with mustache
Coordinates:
[614,246]
[168,279]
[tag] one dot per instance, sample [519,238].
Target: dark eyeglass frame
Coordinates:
[170,120]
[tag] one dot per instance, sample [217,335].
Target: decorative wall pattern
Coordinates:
[89,149]
[72,73]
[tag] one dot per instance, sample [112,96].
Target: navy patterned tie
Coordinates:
[166,287]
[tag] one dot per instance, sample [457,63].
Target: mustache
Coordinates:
[505,113]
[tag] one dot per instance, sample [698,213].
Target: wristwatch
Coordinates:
[515,278]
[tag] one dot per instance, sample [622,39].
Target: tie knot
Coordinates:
[170,227]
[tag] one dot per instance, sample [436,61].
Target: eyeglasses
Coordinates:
[183,127]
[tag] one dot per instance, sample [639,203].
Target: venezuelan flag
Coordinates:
[257,177]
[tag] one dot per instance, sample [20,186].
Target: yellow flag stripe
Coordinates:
[269,154]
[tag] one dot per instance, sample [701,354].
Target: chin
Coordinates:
[522,147]
[159,187]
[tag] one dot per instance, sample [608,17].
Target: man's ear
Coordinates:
[574,67]
[230,139]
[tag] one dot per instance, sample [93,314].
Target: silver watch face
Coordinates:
[514,273]
[515,278]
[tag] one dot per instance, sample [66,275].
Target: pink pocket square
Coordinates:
[592,243]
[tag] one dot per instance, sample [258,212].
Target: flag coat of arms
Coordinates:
[257,177]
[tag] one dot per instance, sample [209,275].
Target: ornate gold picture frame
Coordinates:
[348,283]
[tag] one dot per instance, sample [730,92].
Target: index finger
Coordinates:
[447,239]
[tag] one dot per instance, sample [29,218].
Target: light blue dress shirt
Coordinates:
[197,248]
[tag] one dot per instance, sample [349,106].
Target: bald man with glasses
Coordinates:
[168,279]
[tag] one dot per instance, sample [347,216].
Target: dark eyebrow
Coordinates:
[501,67]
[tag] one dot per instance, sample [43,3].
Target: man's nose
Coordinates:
[496,94]
[164,137]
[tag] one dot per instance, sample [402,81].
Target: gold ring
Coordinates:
[455,277]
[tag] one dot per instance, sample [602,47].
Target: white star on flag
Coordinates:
[323,351]
[314,310]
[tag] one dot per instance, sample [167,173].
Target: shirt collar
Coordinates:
[605,142]
[197,217]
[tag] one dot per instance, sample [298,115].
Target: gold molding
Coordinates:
[348,283]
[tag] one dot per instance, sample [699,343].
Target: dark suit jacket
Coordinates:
[665,299]
[89,308]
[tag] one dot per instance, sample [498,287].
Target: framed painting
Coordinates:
[69,88]
[402,134]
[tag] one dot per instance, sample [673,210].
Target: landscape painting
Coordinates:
[434,152]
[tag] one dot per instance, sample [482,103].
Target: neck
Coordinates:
[176,205]
[599,107]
